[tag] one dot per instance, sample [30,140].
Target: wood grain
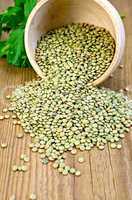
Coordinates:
[106,175]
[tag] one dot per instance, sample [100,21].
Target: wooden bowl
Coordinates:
[50,14]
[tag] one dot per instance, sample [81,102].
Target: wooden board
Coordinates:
[106,175]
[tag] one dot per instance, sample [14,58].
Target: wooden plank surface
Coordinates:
[106,175]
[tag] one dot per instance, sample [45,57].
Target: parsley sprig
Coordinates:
[13,21]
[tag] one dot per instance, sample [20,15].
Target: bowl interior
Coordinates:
[55,13]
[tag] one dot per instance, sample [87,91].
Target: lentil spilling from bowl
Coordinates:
[61,118]
[64,112]
[75,51]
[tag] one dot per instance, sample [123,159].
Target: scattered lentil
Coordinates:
[55,165]
[121,66]
[119,146]
[8,96]
[73,151]
[72,170]
[77,173]
[33,196]
[26,159]
[101,147]
[14,168]
[45,161]
[13,197]
[19,135]
[42,156]
[19,168]
[65,172]
[22,156]
[64,112]
[121,90]
[81,159]
[7,116]
[24,168]
[15,122]
[64,118]
[1,117]
[5,110]
[14,116]
[4,145]
[34,149]
[113,145]
[127,89]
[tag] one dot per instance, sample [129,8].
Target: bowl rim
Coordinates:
[119,33]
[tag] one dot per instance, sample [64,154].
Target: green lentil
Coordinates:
[3,145]
[24,168]
[113,145]
[19,168]
[72,170]
[42,156]
[101,147]
[45,161]
[119,146]
[55,165]
[84,49]
[65,172]
[14,116]
[73,151]
[14,168]
[31,145]
[15,122]
[34,149]
[19,135]
[121,66]
[13,197]
[122,135]
[94,116]
[24,157]
[5,110]
[81,159]
[1,117]
[77,173]
[65,112]
[33,196]
[60,169]
[6,116]
[8,96]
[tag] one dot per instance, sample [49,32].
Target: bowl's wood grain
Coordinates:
[49,14]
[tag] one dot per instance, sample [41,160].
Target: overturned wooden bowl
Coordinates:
[50,14]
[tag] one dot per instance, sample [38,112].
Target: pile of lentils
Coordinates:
[64,112]
[61,118]
[75,51]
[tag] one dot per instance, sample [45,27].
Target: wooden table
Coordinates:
[106,175]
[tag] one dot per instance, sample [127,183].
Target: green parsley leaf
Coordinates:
[3,48]
[11,18]
[16,53]
[13,21]
[28,6]
[0,26]
[19,2]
